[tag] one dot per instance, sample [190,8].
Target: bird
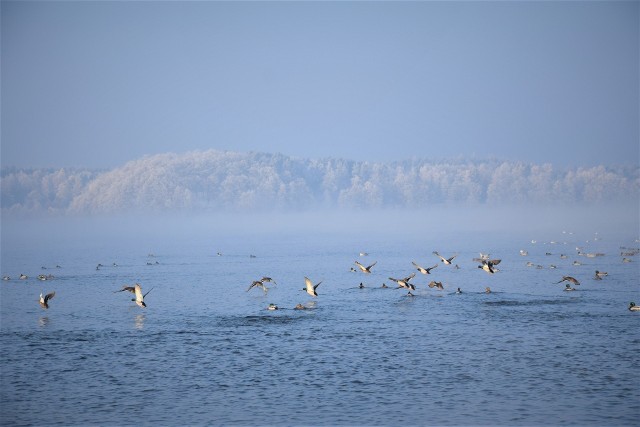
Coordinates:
[569,279]
[569,288]
[600,274]
[268,279]
[258,283]
[487,290]
[272,307]
[139,299]
[299,307]
[523,252]
[447,261]
[437,285]
[458,291]
[310,287]
[361,285]
[422,269]
[6,278]
[44,301]
[633,307]
[23,277]
[365,269]
[404,282]
[488,265]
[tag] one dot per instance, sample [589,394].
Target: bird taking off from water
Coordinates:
[44,301]
[258,284]
[310,287]
[365,269]
[489,265]
[569,279]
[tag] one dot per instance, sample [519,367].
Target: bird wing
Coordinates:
[255,283]
[495,261]
[49,296]
[314,288]
[372,265]
[138,292]
[431,268]
[127,288]
[421,269]
[145,295]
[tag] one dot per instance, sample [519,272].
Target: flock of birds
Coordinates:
[486,263]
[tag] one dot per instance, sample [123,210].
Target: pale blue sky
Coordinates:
[95,84]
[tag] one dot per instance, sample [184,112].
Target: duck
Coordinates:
[384,285]
[44,301]
[272,307]
[437,285]
[569,279]
[523,252]
[404,282]
[447,261]
[259,284]
[633,307]
[139,299]
[23,277]
[364,269]
[488,265]
[487,290]
[299,307]
[458,291]
[600,274]
[268,279]
[361,285]
[422,269]
[569,288]
[310,287]
[5,278]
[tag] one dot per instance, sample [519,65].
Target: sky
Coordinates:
[96,84]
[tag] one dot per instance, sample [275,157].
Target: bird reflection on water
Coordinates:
[139,321]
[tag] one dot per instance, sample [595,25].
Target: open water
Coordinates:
[206,351]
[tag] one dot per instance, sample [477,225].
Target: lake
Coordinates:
[206,351]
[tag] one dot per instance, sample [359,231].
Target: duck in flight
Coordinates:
[569,279]
[422,269]
[489,265]
[258,284]
[139,299]
[365,269]
[310,287]
[44,301]
[437,285]
[404,282]
[447,261]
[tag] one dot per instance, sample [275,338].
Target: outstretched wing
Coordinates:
[49,296]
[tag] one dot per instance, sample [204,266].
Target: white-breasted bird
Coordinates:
[447,261]
[422,269]
[44,301]
[365,269]
[310,287]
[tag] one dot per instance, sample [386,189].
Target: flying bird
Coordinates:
[422,269]
[447,261]
[488,265]
[569,279]
[310,287]
[404,282]
[139,299]
[258,284]
[365,269]
[44,301]
[268,279]
[437,285]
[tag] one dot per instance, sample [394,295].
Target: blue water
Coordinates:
[207,352]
